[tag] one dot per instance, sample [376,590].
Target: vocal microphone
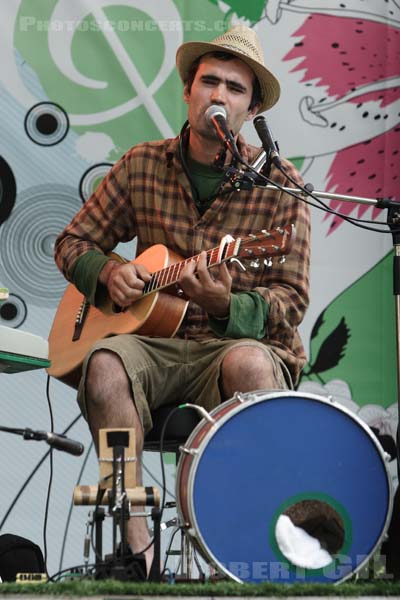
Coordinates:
[56,440]
[216,116]
[265,135]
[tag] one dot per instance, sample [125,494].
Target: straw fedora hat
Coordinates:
[241,41]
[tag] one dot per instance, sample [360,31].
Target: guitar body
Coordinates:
[159,313]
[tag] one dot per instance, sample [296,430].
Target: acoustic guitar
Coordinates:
[159,312]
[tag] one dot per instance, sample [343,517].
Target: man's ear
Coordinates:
[186,93]
[252,112]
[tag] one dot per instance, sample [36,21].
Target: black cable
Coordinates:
[46,510]
[64,541]
[69,569]
[168,549]
[326,209]
[51,472]
[154,478]
[32,474]
[352,220]
[163,477]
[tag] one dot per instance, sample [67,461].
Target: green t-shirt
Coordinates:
[206,181]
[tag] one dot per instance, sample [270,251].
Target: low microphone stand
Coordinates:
[27,433]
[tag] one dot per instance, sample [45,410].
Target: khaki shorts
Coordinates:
[173,371]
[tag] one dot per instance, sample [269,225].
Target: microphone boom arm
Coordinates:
[248,179]
[378,202]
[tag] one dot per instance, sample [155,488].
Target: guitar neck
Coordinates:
[264,244]
[170,275]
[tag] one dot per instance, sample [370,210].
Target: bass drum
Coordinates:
[276,472]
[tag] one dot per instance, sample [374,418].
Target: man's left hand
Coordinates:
[211,291]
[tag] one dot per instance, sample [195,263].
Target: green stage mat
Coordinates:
[86,588]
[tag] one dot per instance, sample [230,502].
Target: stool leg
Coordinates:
[155,574]
[98,517]
[186,556]
[188,552]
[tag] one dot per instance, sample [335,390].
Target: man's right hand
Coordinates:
[124,281]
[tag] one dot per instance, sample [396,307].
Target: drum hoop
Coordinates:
[258,396]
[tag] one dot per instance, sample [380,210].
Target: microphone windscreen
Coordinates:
[215,110]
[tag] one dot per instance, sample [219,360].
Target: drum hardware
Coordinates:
[239,396]
[91,495]
[191,451]
[202,411]
[119,498]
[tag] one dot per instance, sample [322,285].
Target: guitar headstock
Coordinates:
[266,244]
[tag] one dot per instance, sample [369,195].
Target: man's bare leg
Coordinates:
[110,405]
[245,369]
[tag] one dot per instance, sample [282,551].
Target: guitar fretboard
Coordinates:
[170,275]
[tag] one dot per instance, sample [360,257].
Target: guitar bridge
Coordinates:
[80,319]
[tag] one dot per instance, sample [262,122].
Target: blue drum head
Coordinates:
[284,454]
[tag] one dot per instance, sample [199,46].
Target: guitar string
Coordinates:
[169,275]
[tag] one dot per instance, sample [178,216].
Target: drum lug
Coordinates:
[387,456]
[239,396]
[191,451]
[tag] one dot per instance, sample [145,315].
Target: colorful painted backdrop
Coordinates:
[82,81]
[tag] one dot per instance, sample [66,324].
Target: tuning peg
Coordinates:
[255,264]
[268,262]
[236,260]
[266,233]
[282,259]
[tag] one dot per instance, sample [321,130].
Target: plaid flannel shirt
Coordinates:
[147,194]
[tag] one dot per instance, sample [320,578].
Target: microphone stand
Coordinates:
[240,179]
[57,441]
[27,433]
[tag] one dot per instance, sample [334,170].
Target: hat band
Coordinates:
[236,49]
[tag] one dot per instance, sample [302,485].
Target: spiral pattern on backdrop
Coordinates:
[27,242]
[91,179]
[46,124]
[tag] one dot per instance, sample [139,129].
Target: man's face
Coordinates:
[226,83]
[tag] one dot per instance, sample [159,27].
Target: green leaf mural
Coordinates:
[249,10]
[353,339]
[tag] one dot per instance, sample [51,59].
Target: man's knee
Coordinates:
[247,359]
[247,368]
[105,373]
